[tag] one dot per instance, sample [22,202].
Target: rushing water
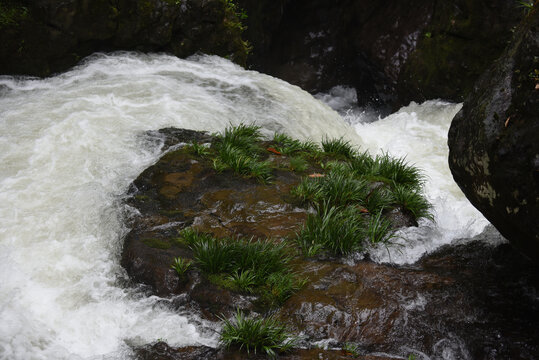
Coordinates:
[69,148]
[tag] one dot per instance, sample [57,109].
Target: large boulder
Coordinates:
[494,141]
[46,36]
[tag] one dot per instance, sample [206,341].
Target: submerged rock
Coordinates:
[494,141]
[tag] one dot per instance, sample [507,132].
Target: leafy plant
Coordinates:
[257,335]
[238,150]
[199,149]
[181,266]
[298,164]
[288,146]
[281,286]
[243,280]
[339,147]
[378,200]
[379,230]
[397,170]
[338,230]
[412,201]
[352,349]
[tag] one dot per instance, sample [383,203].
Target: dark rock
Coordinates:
[473,301]
[389,52]
[493,141]
[47,36]
[161,351]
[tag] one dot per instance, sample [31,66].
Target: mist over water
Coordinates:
[70,146]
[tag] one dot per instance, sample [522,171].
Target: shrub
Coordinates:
[262,334]
[243,280]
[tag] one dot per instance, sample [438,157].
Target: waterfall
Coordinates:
[70,145]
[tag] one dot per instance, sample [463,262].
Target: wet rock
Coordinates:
[389,52]
[161,351]
[183,190]
[472,301]
[493,141]
[47,36]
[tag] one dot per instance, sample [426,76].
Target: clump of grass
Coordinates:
[288,146]
[334,189]
[378,199]
[339,147]
[379,230]
[256,335]
[280,287]
[298,164]
[396,170]
[339,230]
[244,137]
[198,149]
[245,265]
[412,201]
[238,149]
[243,280]
[181,266]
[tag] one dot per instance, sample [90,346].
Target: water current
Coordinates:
[70,145]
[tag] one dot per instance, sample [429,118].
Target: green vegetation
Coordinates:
[157,243]
[198,149]
[340,230]
[413,201]
[351,192]
[249,266]
[288,146]
[181,266]
[338,147]
[238,149]
[352,198]
[12,14]
[256,335]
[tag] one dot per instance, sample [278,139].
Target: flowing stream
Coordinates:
[70,145]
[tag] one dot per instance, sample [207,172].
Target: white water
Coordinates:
[69,148]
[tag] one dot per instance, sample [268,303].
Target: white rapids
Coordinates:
[70,145]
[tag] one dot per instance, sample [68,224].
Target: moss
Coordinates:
[157,243]
[12,14]
[141,197]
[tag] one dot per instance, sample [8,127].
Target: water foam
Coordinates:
[69,148]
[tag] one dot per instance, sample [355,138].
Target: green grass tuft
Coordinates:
[288,146]
[379,230]
[256,335]
[181,266]
[339,147]
[339,230]
[298,164]
[412,201]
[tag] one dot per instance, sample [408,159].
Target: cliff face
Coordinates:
[389,52]
[493,141]
[47,36]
